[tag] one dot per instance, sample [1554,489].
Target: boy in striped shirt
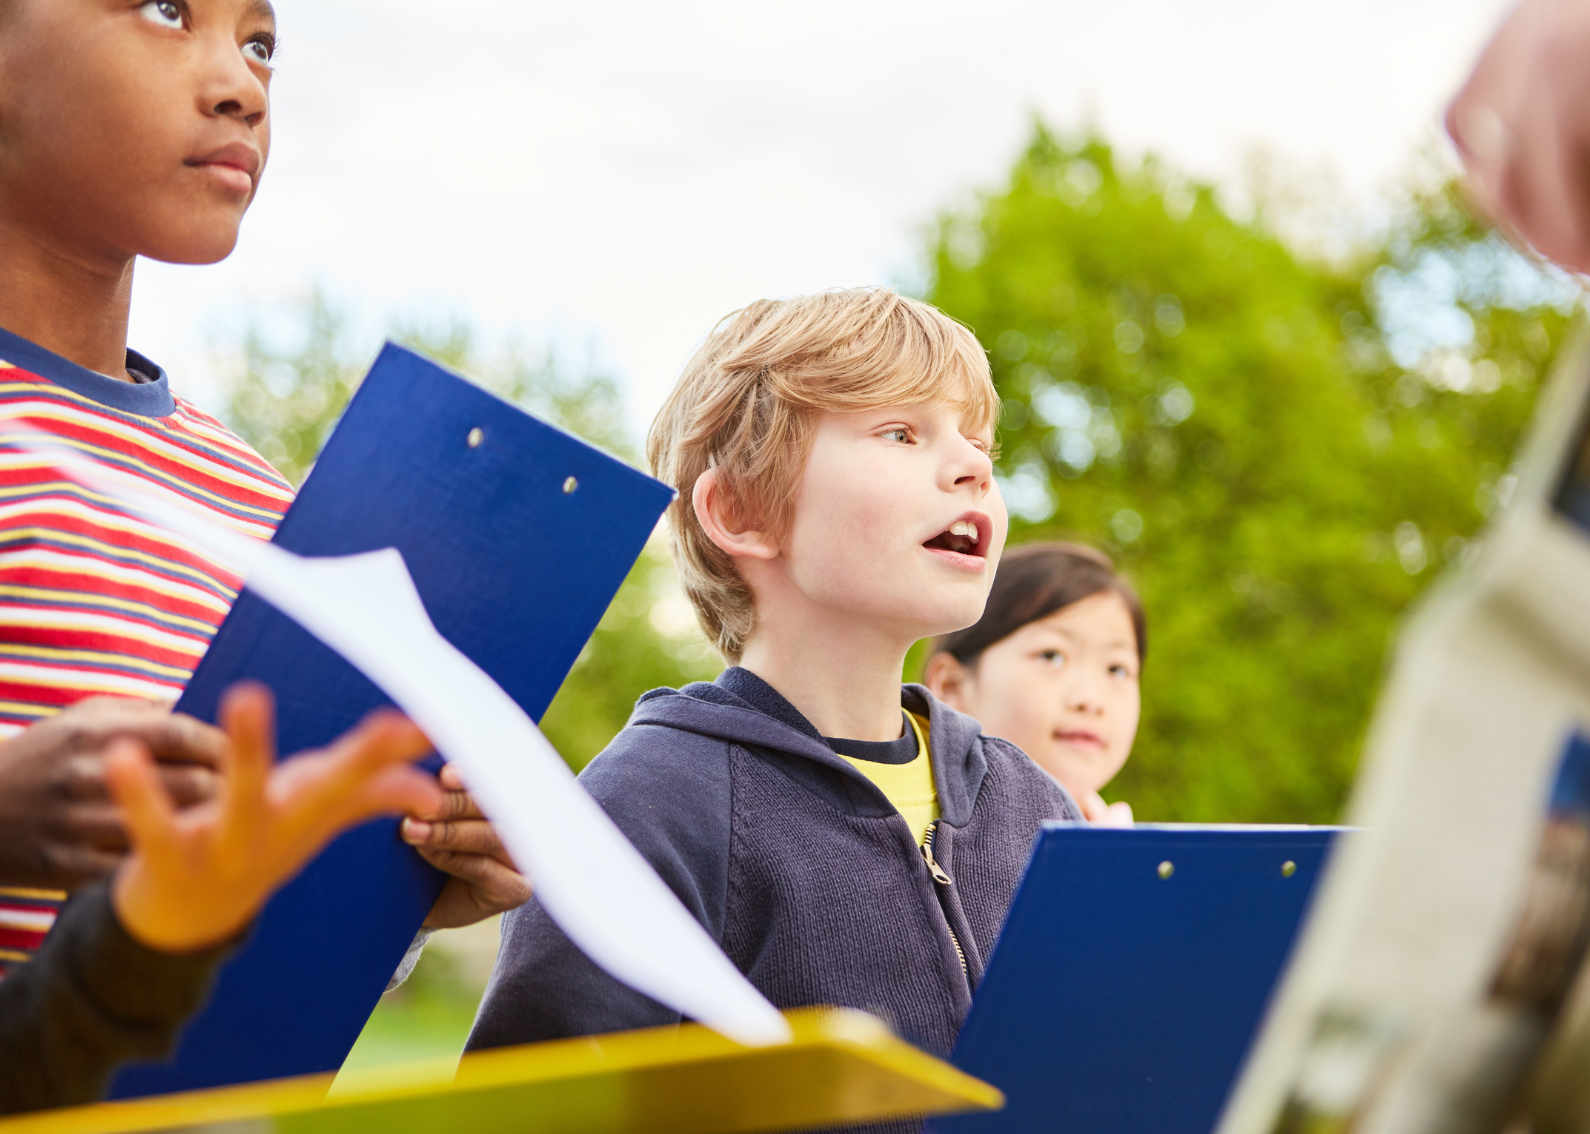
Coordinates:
[126,129]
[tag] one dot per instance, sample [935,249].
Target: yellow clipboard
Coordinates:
[843,1067]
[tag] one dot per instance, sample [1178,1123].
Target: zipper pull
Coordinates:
[934,868]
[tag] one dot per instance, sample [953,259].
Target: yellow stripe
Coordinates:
[116,457]
[143,469]
[13,955]
[56,560]
[96,510]
[205,628]
[23,708]
[97,417]
[47,653]
[94,622]
[100,567]
[32,895]
[110,550]
[260,529]
[108,683]
[66,499]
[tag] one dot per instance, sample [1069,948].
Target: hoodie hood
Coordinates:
[736,708]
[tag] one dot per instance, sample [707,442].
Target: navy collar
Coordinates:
[146,399]
[764,698]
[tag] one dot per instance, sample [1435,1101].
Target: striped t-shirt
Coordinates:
[93,600]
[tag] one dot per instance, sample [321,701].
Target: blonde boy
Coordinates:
[847,840]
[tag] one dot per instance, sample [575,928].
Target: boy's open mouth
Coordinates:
[963,537]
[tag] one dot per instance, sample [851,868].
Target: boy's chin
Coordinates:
[948,619]
[192,247]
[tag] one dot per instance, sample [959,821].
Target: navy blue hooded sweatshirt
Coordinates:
[796,863]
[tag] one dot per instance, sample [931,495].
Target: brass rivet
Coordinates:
[570,485]
[476,436]
[1288,868]
[1167,868]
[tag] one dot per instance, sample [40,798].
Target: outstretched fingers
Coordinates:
[248,713]
[148,811]
[362,775]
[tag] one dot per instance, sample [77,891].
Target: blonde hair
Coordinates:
[747,402]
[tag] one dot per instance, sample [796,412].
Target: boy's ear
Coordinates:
[720,520]
[946,678]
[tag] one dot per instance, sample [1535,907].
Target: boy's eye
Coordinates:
[1120,671]
[166,13]
[1053,657]
[259,50]
[899,433]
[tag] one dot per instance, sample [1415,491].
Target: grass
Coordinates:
[428,1016]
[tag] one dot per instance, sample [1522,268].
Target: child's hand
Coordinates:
[59,827]
[195,878]
[1102,814]
[456,837]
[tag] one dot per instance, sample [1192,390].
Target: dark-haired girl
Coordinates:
[1053,666]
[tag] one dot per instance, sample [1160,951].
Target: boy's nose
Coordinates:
[231,89]
[973,466]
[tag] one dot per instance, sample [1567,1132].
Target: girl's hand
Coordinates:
[1102,814]
[457,838]
[195,878]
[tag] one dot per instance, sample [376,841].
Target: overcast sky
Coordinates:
[617,176]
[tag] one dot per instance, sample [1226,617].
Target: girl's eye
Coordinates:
[166,13]
[259,50]
[1120,671]
[900,433]
[1053,657]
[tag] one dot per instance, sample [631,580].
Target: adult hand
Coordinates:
[59,827]
[194,878]
[1522,126]
[457,838]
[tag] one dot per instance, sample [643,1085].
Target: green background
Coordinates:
[1282,434]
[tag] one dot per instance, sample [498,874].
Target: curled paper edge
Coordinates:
[592,881]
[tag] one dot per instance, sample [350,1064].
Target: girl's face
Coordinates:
[1063,689]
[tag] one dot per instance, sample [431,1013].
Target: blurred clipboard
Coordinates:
[1132,974]
[517,536]
[841,1067]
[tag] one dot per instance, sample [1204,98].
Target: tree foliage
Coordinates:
[1281,452]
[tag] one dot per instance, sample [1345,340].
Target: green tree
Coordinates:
[285,397]
[1280,451]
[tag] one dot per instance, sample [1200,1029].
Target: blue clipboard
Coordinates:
[1132,974]
[517,537]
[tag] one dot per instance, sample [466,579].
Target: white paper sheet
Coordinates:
[587,875]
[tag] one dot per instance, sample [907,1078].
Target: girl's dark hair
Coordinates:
[1034,581]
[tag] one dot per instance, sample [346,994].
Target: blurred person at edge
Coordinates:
[1522,126]
[1053,667]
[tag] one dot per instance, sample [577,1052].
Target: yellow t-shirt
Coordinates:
[909,786]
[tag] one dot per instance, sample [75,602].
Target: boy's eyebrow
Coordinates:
[260,9]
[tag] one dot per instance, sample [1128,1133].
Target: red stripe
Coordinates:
[36,499]
[25,939]
[45,637]
[70,583]
[110,438]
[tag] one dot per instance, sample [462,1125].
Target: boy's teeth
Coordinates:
[964,528]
